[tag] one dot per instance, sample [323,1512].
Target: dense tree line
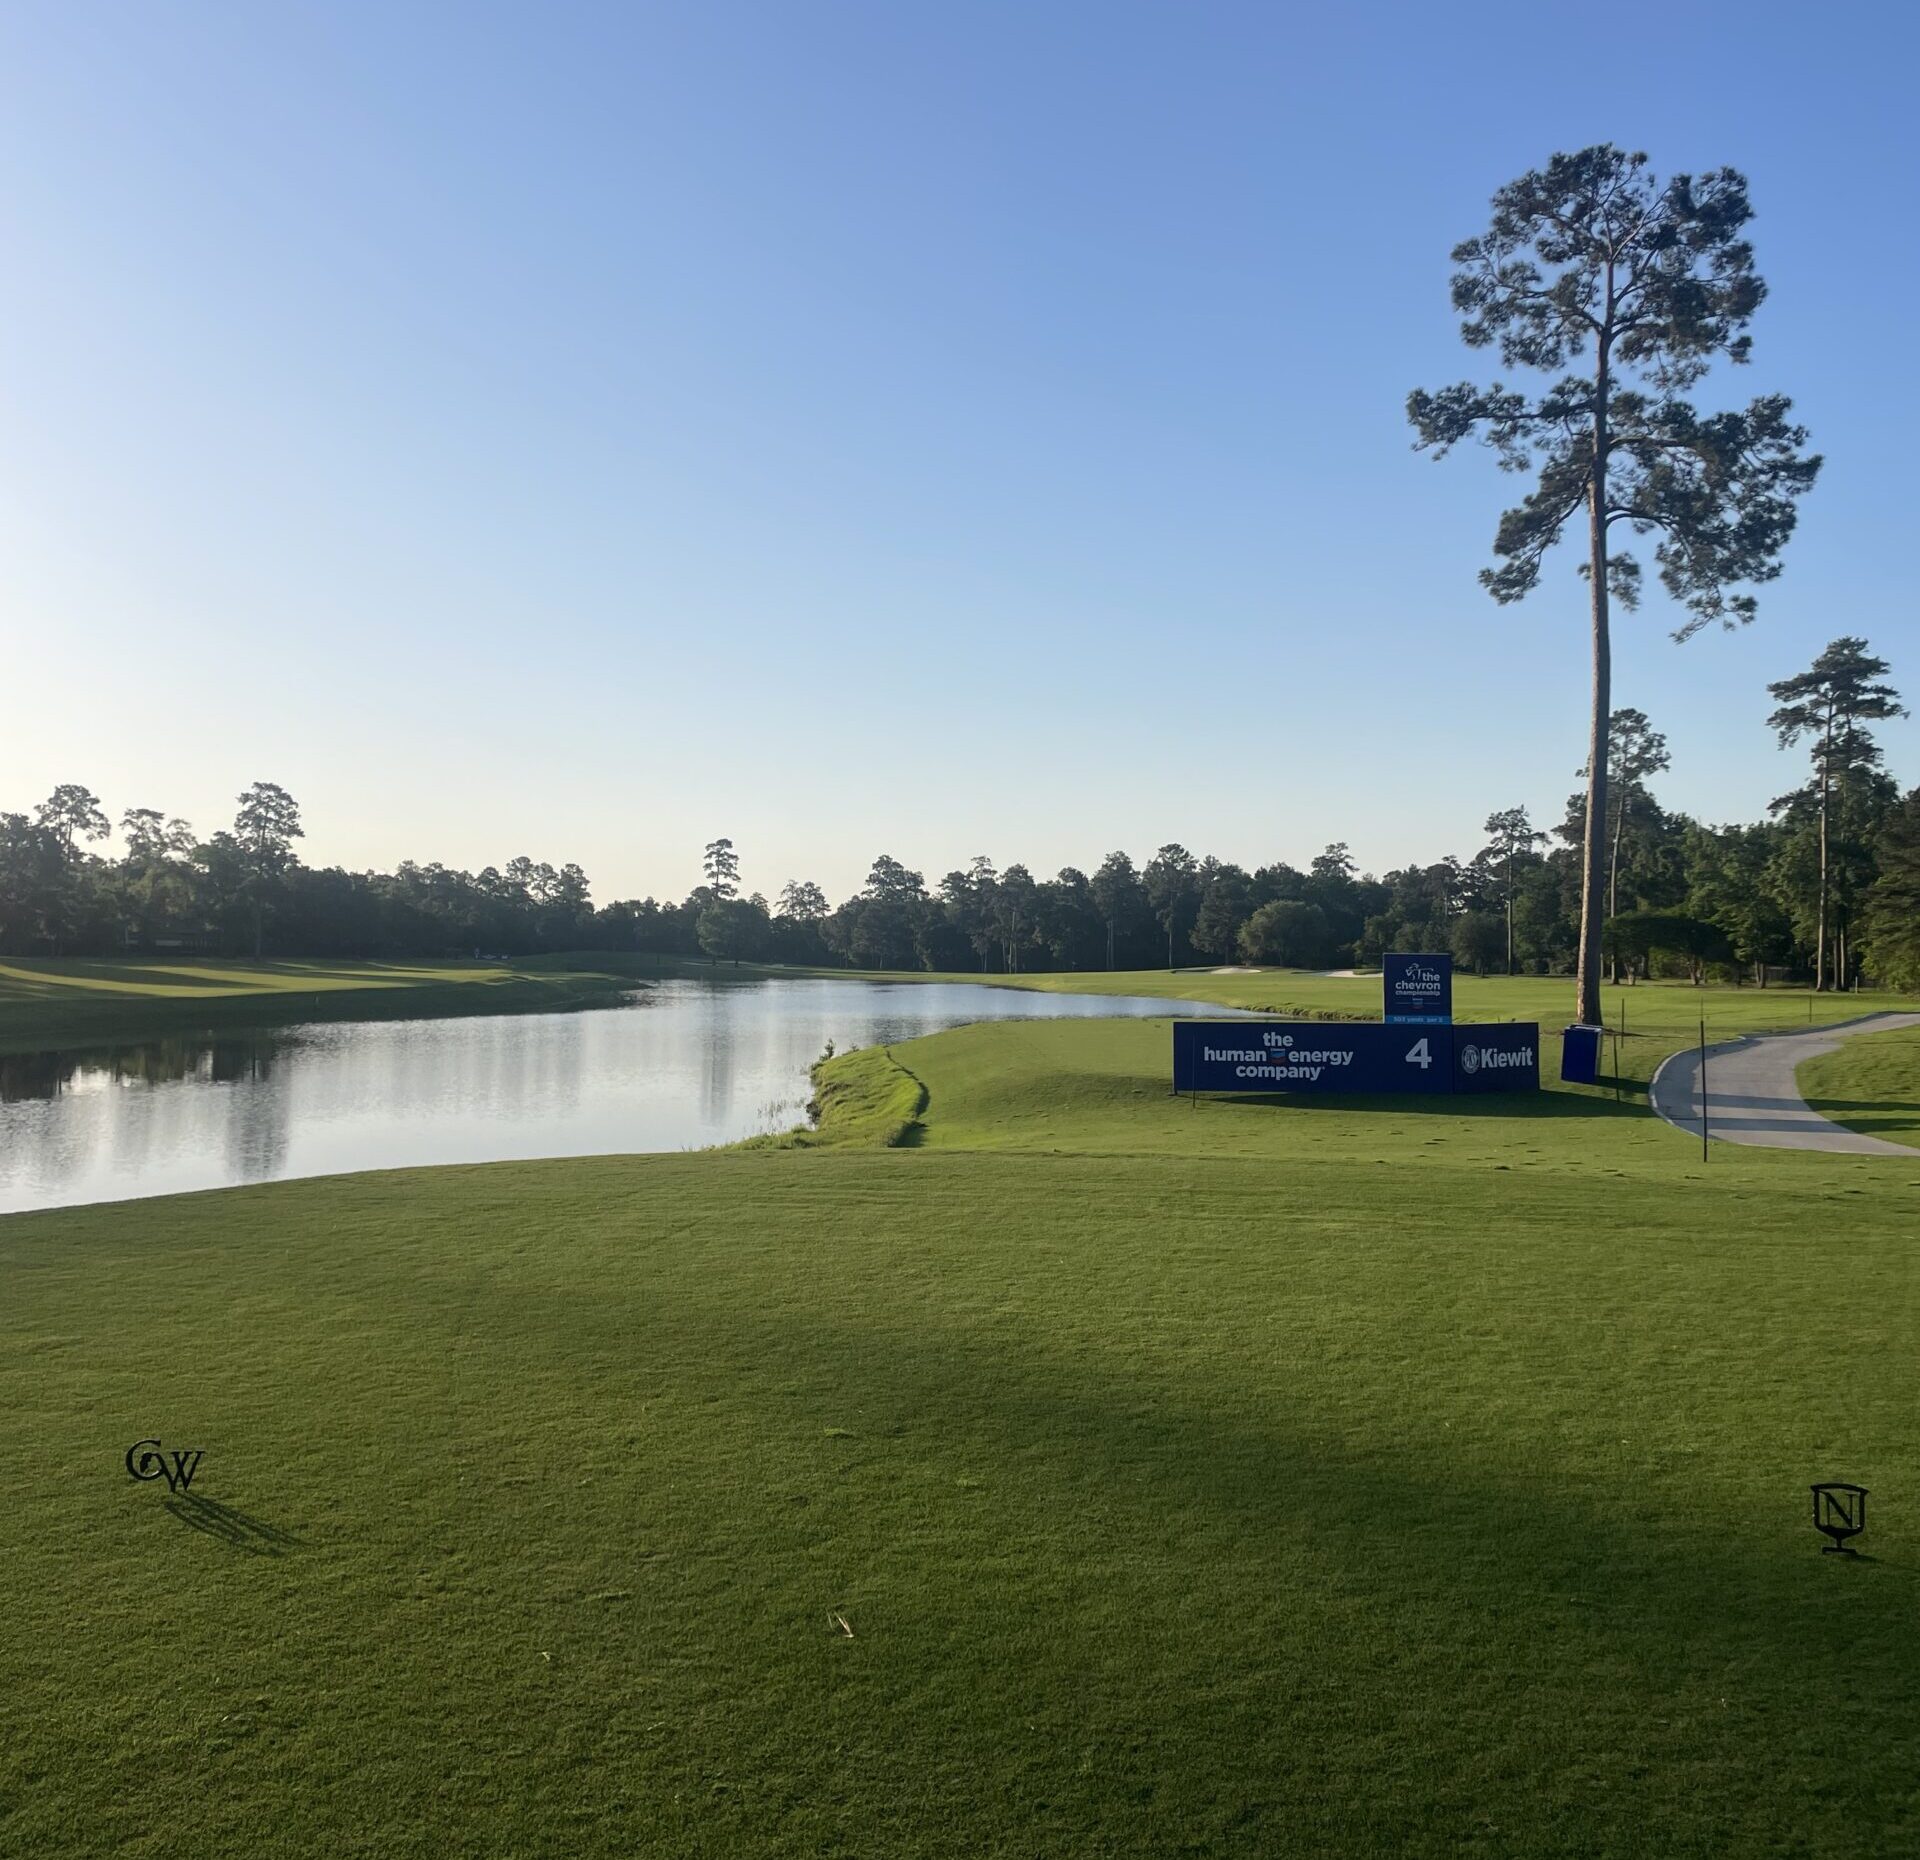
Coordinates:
[1827,884]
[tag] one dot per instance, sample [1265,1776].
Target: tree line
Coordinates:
[1609,295]
[1826,885]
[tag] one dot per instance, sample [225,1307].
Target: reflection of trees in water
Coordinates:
[73,1117]
[35,1075]
[226,1061]
[719,1034]
[259,1122]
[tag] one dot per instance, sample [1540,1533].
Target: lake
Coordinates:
[677,1066]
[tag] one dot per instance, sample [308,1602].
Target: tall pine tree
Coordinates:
[1643,284]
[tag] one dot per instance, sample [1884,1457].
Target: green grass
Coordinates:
[1870,1084]
[1249,1478]
[1653,1018]
[46,1003]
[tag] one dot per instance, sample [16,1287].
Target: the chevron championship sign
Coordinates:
[1418,989]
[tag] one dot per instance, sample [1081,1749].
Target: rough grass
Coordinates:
[46,1004]
[1254,1478]
[867,1099]
[1872,1083]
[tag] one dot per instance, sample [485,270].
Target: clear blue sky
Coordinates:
[586,429]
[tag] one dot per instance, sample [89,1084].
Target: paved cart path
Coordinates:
[1751,1096]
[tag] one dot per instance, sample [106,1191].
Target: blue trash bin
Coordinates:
[1580,1055]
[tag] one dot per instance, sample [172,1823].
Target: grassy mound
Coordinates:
[861,1100]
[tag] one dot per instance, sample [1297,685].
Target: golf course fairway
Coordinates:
[1027,1463]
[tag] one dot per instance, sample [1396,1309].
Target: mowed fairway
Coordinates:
[46,1003]
[1870,1084]
[1251,1478]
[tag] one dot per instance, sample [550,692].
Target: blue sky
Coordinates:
[584,430]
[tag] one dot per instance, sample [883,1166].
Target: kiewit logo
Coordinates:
[1494,1059]
[143,1466]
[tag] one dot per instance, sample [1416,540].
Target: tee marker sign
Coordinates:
[1415,1048]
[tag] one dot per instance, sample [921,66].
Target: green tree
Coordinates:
[1730,883]
[1593,261]
[795,933]
[802,901]
[30,873]
[1635,751]
[1121,900]
[71,814]
[264,831]
[732,929]
[722,868]
[1224,906]
[1511,835]
[1016,913]
[1892,916]
[879,928]
[1172,880]
[1288,933]
[971,902]
[1640,934]
[154,877]
[1477,939]
[1831,703]
[1069,920]
[151,836]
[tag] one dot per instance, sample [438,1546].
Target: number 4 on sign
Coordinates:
[1419,1056]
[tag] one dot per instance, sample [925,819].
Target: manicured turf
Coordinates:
[1872,1083]
[46,1004]
[1652,1018]
[1254,1478]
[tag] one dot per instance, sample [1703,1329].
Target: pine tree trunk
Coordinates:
[1593,865]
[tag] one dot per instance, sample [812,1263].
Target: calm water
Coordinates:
[683,1064]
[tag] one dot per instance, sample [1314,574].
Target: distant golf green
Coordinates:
[46,1003]
[1871,1084]
[1090,1472]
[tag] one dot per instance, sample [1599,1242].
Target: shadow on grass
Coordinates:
[1609,1614]
[1896,1113]
[1500,1104]
[235,1528]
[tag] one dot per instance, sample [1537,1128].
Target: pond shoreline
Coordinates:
[680,1064]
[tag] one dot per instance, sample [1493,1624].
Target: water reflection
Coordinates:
[681,1065]
[156,1062]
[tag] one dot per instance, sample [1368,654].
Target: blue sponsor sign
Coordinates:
[1308,1055]
[1419,988]
[1502,1057]
[1356,1057]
